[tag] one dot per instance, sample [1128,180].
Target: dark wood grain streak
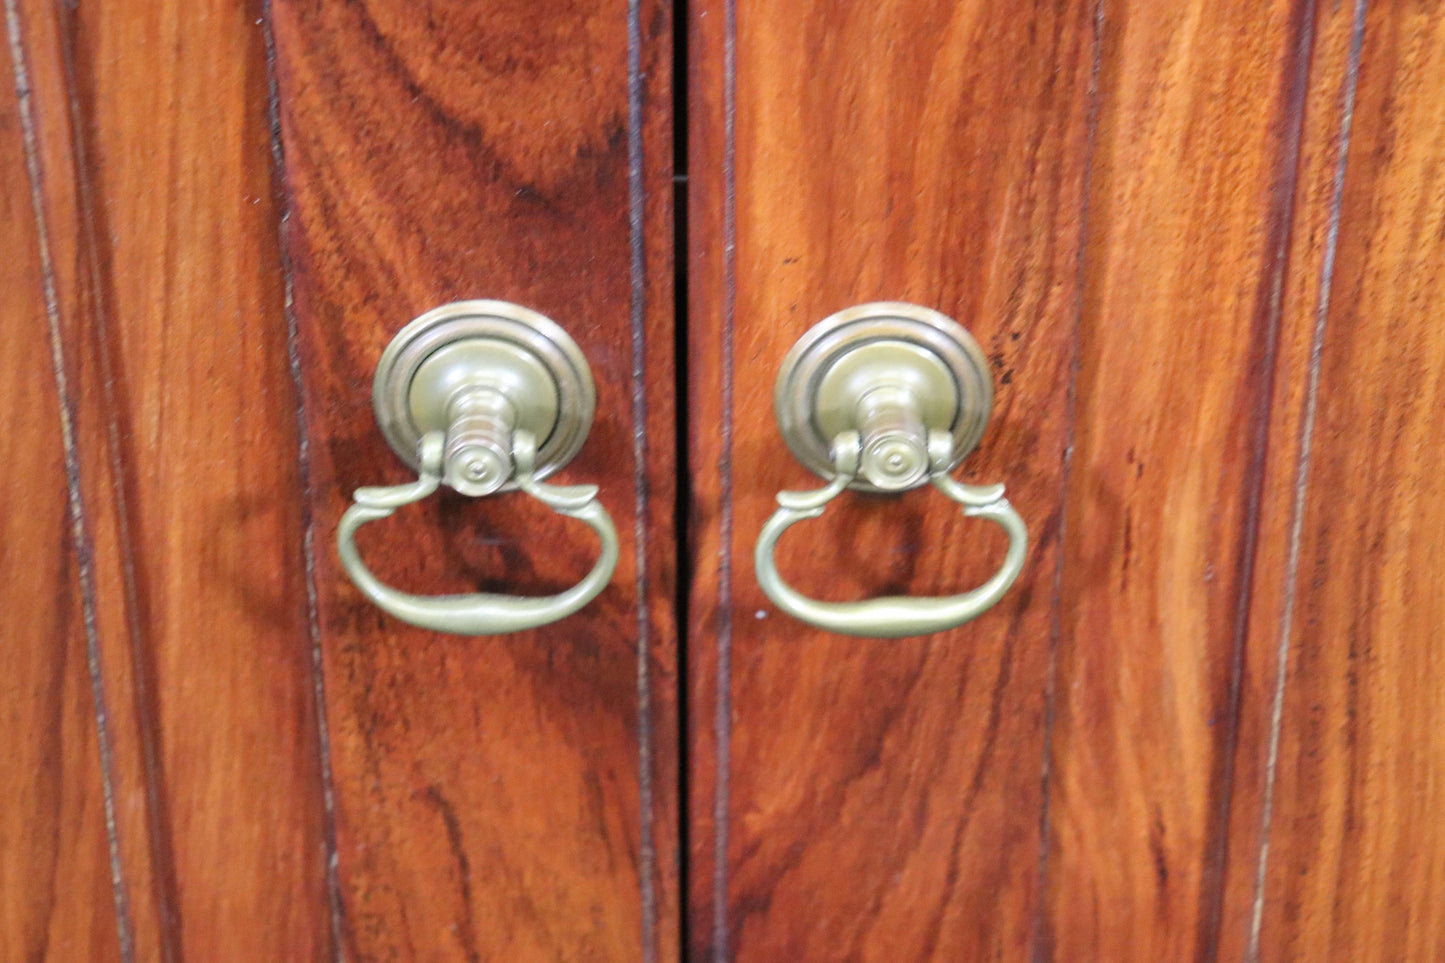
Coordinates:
[1356,857]
[153,872]
[1269,318]
[654,416]
[155,149]
[637,320]
[490,792]
[60,157]
[656,371]
[1323,152]
[308,497]
[1191,193]
[726,359]
[57,901]
[1042,937]
[883,798]
[714,310]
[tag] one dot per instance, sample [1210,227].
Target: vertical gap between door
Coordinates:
[683,494]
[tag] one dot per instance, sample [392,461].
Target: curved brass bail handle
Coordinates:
[892,616]
[482,613]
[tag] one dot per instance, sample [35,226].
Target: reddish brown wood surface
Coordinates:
[1192,187]
[1305,291]
[509,797]
[154,169]
[1355,857]
[832,776]
[1201,244]
[878,800]
[56,900]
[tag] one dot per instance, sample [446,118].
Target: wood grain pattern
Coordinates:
[876,800]
[56,899]
[1356,856]
[1191,194]
[154,148]
[1201,244]
[509,797]
[1312,254]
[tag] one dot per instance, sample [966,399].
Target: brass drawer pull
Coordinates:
[484,396]
[885,397]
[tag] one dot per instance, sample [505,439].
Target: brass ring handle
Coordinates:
[891,616]
[482,396]
[482,613]
[886,397]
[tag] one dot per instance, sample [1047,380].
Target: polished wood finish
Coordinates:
[56,900]
[1201,244]
[154,170]
[837,783]
[1356,855]
[509,797]
[856,799]
[1192,185]
[1324,137]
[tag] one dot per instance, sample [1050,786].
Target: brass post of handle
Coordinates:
[482,396]
[886,397]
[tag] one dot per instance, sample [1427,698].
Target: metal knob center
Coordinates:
[479,441]
[895,443]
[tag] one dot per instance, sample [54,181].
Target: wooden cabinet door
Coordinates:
[216,215]
[1201,244]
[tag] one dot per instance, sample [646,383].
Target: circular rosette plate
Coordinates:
[461,347]
[871,349]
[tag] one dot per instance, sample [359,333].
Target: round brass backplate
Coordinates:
[485,344]
[886,344]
